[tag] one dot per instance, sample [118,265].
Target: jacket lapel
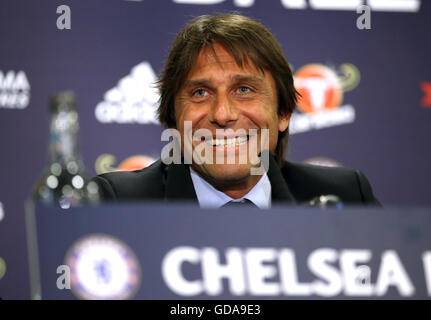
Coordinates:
[179,184]
[279,189]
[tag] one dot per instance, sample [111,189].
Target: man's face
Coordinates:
[218,94]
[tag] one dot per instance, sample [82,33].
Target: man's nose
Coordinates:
[223,111]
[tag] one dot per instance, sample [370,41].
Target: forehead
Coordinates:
[218,57]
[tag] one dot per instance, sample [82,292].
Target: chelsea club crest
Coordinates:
[103,267]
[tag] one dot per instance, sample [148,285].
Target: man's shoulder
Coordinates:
[325,173]
[144,183]
[307,181]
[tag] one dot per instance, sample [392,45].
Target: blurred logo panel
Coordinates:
[336,5]
[105,163]
[2,268]
[103,268]
[426,100]
[133,100]
[14,90]
[1,212]
[322,92]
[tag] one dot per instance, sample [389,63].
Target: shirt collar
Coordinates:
[210,197]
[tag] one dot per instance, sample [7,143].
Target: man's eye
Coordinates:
[243,89]
[200,93]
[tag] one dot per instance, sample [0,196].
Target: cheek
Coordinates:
[263,116]
[269,121]
[179,110]
[189,112]
[181,115]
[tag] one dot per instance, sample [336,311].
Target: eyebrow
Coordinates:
[234,78]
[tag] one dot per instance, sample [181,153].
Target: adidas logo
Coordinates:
[133,100]
[14,90]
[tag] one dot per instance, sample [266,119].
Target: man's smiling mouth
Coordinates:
[228,142]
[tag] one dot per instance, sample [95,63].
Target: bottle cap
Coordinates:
[64,100]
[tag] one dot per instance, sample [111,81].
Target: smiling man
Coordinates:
[227,89]
[219,95]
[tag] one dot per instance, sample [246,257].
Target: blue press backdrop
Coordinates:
[387,139]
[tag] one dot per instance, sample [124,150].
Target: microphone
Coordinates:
[326,201]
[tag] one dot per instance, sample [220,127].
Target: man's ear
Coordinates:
[283,122]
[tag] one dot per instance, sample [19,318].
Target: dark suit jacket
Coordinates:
[293,183]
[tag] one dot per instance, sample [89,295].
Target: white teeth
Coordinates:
[229,142]
[241,140]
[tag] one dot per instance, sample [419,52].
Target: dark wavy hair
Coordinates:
[246,39]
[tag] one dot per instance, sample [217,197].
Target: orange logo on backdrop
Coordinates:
[135,163]
[426,100]
[105,163]
[319,87]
